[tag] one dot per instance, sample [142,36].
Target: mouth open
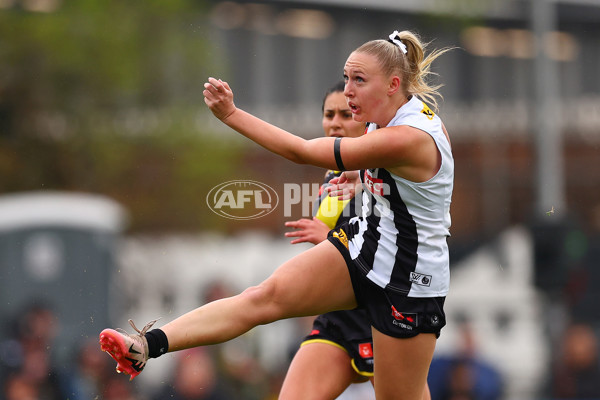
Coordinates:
[353,108]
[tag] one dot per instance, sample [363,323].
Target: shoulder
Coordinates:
[416,114]
[415,111]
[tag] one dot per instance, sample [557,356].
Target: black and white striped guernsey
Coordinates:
[399,241]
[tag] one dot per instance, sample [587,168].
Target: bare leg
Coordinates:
[314,282]
[401,366]
[426,393]
[319,371]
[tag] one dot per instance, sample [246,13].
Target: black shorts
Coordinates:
[349,330]
[391,312]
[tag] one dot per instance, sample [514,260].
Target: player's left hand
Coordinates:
[218,96]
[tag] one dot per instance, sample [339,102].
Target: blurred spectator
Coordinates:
[37,326]
[215,290]
[26,358]
[119,388]
[27,369]
[464,376]
[575,372]
[90,373]
[17,387]
[195,378]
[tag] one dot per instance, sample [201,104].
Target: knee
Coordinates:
[262,302]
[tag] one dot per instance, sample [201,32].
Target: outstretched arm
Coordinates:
[406,151]
[218,96]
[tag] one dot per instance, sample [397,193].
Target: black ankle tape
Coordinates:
[158,344]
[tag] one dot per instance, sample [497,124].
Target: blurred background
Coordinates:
[108,153]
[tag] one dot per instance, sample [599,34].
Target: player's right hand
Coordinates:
[218,96]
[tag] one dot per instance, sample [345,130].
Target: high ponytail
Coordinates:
[410,61]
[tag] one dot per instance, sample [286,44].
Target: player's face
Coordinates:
[337,118]
[366,86]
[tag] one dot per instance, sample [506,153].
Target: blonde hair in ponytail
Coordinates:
[414,67]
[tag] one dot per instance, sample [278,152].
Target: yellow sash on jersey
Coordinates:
[330,210]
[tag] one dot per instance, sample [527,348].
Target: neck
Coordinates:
[395,110]
[405,100]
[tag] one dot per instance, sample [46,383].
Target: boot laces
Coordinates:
[144,329]
[142,332]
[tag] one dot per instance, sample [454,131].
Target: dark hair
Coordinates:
[338,87]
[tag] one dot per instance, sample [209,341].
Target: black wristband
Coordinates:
[336,153]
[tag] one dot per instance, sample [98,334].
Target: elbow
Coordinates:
[299,155]
[296,158]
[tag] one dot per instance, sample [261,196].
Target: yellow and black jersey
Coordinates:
[331,210]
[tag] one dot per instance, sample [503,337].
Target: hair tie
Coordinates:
[395,38]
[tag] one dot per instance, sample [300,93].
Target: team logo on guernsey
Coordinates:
[242,199]
[365,350]
[420,279]
[341,236]
[427,111]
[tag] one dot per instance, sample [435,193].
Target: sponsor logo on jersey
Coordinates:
[420,279]
[242,199]
[427,111]
[341,236]
[365,350]
[375,185]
